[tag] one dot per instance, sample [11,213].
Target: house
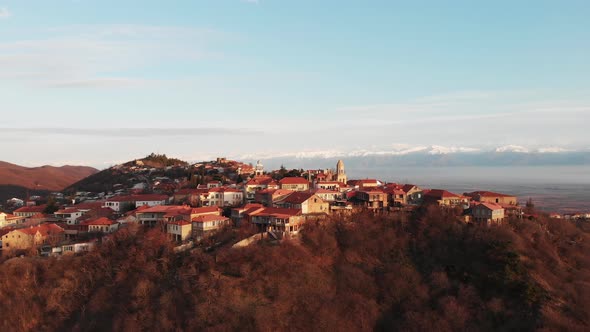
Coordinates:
[77,248]
[205,225]
[257,184]
[445,198]
[179,231]
[161,214]
[70,215]
[243,213]
[329,185]
[222,197]
[170,213]
[120,204]
[397,197]
[492,197]
[123,203]
[10,219]
[213,184]
[150,200]
[101,225]
[270,196]
[294,183]
[365,184]
[328,195]
[187,196]
[29,211]
[26,238]
[277,220]
[412,194]
[372,199]
[231,197]
[307,202]
[487,213]
[205,211]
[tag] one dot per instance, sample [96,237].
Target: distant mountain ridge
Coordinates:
[49,178]
[434,156]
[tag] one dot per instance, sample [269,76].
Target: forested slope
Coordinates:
[421,273]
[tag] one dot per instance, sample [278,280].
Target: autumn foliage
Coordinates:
[421,273]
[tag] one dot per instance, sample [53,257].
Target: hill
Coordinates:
[131,172]
[44,177]
[385,273]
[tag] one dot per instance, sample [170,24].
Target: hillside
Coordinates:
[139,170]
[422,273]
[44,177]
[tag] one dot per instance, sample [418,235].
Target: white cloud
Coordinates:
[133,132]
[112,82]
[5,13]
[101,55]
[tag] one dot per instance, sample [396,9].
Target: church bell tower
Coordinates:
[340,173]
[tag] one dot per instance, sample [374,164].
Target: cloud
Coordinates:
[133,132]
[84,55]
[462,106]
[5,13]
[100,83]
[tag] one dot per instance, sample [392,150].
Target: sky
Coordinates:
[101,82]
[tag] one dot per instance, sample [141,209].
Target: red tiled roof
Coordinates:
[30,209]
[262,180]
[487,194]
[205,209]
[67,210]
[5,231]
[88,206]
[99,222]
[44,229]
[491,206]
[297,197]
[294,180]
[407,187]
[440,193]
[277,212]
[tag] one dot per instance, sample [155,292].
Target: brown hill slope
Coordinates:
[44,177]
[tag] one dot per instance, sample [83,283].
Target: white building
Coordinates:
[70,215]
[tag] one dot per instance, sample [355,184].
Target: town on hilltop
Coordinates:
[190,203]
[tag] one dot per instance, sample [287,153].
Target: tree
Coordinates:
[51,206]
[530,206]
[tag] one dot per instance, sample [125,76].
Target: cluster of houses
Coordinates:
[270,203]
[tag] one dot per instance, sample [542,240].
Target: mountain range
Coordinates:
[427,156]
[16,180]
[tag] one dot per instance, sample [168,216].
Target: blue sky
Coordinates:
[99,82]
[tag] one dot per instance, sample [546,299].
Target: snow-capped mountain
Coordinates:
[424,156]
